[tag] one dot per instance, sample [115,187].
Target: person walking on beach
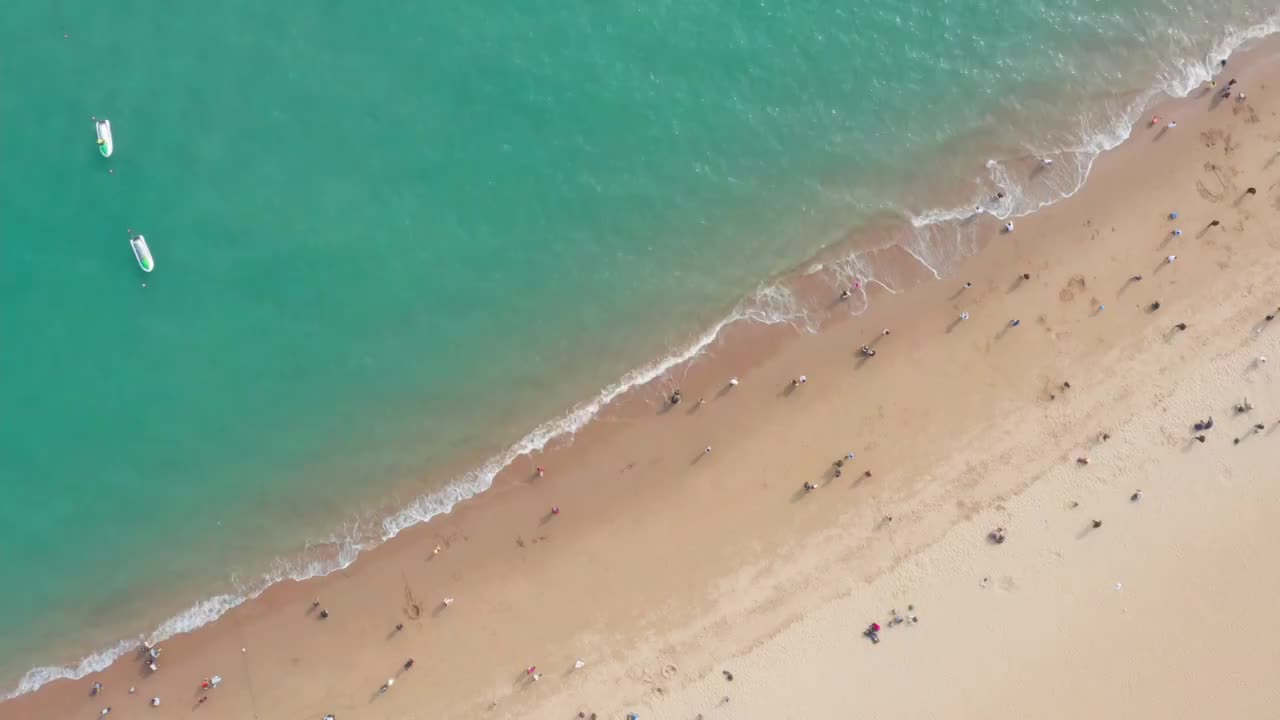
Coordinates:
[1180,327]
[1171,259]
[1212,224]
[964,315]
[1008,226]
[408,663]
[1251,191]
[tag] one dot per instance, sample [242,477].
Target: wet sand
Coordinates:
[667,565]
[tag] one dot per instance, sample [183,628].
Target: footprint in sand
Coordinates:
[412,609]
[1074,285]
[1204,189]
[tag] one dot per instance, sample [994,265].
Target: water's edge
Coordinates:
[935,238]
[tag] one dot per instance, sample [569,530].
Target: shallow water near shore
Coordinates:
[388,244]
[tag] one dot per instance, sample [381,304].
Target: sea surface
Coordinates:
[398,243]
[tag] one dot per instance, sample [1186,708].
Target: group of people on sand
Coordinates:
[209,683]
[997,536]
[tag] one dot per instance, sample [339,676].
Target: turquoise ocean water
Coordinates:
[394,239]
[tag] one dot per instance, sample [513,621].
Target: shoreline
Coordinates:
[616,403]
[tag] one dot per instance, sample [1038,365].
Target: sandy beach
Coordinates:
[694,583]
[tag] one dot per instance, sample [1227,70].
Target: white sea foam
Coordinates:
[770,305]
[938,238]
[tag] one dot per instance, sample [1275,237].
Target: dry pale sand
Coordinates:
[668,565]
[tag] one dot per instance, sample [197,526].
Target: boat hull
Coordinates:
[142,253]
[106,145]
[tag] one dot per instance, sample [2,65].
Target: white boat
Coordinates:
[143,253]
[105,144]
